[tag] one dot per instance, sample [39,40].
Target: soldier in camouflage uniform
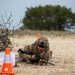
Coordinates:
[38,51]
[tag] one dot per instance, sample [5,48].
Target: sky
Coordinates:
[18,7]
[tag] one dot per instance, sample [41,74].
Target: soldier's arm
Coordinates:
[40,56]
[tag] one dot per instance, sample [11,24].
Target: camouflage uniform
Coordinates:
[31,52]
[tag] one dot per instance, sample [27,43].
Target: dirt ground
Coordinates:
[63,56]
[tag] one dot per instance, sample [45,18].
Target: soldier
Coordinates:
[38,51]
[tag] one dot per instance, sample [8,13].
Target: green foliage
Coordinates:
[47,18]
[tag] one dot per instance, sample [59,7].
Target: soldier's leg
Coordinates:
[24,57]
[47,56]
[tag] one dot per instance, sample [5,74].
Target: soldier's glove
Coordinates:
[33,57]
[42,62]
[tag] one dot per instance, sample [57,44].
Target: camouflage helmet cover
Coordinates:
[42,42]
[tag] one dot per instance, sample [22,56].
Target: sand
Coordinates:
[63,56]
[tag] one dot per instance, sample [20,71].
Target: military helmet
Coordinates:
[42,42]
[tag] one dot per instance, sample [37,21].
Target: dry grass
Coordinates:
[46,33]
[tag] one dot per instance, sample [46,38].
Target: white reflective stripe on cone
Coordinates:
[7,58]
[5,69]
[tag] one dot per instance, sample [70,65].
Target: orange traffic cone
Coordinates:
[7,65]
[38,35]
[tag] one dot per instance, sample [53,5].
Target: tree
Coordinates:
[5,24]
[47,17]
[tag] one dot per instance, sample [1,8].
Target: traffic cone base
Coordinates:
[6,70]
[7,73]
